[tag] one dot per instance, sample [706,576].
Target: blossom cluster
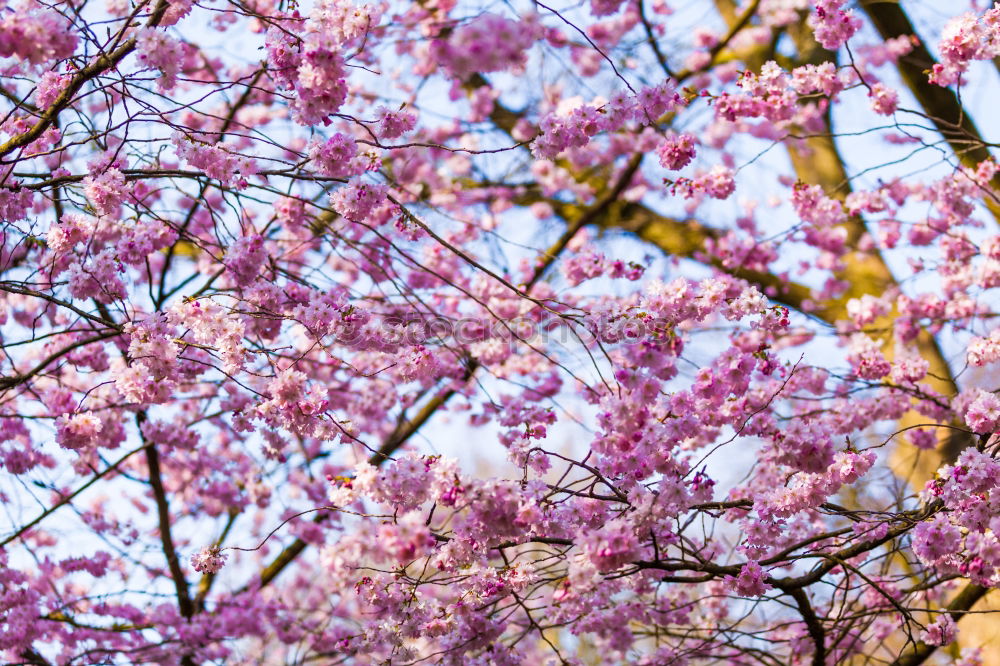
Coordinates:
[964,39]
[576,128]
[443,333]
[962,537]
[488,43]
[35,34]
[216,161]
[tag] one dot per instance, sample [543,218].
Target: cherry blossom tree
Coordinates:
[623,331]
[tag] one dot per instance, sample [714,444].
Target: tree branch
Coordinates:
[965,600]
[816,631]
[163,513]
[940,104]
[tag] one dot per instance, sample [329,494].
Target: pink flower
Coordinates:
[177,10]
[143,239]
[283,55]
[158,50]
[677,151]
[357,200]
[718,183]
[936,539]
[340,23]
[98,278]
[605,7]
[36,35]
[217,161]
[884,99]
[407,538]
[909,370]
[488,43]
[813,206]
[823,78]
[982,351]
[866,358]
[611,546]
[983,413]
[320,86]
[246,258]
[150,376]
[79,431]
[48,88]
[335,156]
[14,203]
[750,581]
[964,39]
[941,632]
[867,309]
[832,25]
[209,560]
[923,438]
[106,191]
[393,124]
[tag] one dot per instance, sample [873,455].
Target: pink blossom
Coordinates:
[520,379]
[79,431]
[357,200]
[823,78]
[867,309]
[717,183]
[106,191]
[157,50]
[246,258]
[340,23]
[488,43]
[393,124]
[49,87]
[151,372]
[283,54]
[966,38]
[982,351]
[654,101]
[884,99]
[142,239]
[611,546]
[923,438]
[209,560]
[909,370]
[605,7]
[320,86]
[177,10]
[407,538]
[35,34]
[750,581]
[335,156]
[983,413]
[98,278]
[889,51]
[14,203]
[936,540]
[209,324]
[940,632]
[832,25]
[217,161]
[677,151]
